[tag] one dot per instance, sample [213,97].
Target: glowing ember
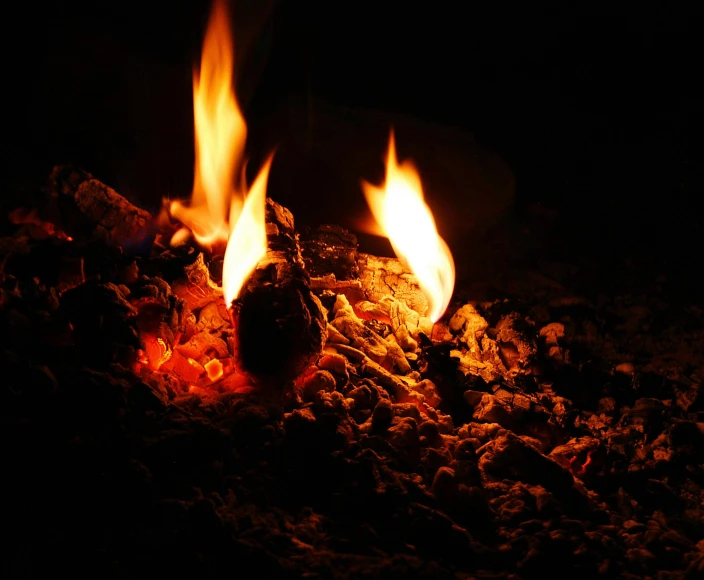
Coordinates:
[156,352]
[221,212]
[22,216]
[400,210]
[214,369]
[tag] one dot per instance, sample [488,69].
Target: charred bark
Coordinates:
[280,325]
[331,256]
[85,207]
[381,277]
[329,253]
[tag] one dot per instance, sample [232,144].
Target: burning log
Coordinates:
[280,325]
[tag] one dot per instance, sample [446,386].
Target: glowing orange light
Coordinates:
[400,210]
[156,352]
[222,213]
[214,369]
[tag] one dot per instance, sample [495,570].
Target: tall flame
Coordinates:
[400,209]
[221,210]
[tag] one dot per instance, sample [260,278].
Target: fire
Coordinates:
[221,212]
[247,244]
[399,208]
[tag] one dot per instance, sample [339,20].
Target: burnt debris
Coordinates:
[323,427]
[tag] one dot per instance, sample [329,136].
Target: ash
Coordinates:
[552,421]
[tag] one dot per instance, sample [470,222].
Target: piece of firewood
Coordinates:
[334,263]
[85,207]
[280,325]
[382,276]
[330,252]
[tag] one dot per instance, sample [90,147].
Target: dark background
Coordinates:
[595,110]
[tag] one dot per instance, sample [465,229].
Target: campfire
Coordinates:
[261,320]
[281,398]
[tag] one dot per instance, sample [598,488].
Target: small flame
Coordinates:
[399,208]
[247,244]
[221,212]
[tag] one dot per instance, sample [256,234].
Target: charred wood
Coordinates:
[280,325]
[382,276]
[85,207]
[330,254]
[332,258]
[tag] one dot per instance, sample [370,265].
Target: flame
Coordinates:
[221,211]
[247,244]
[400,210]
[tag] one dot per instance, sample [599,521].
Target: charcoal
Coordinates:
[88,208]
[330,250]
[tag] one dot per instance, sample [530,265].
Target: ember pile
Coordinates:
[532,430]
[209,390]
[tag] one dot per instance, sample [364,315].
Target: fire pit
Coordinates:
[213,389]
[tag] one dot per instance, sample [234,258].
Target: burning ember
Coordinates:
[222,211]
[404,217]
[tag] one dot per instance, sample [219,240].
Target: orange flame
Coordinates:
[221,211]
[399,208]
